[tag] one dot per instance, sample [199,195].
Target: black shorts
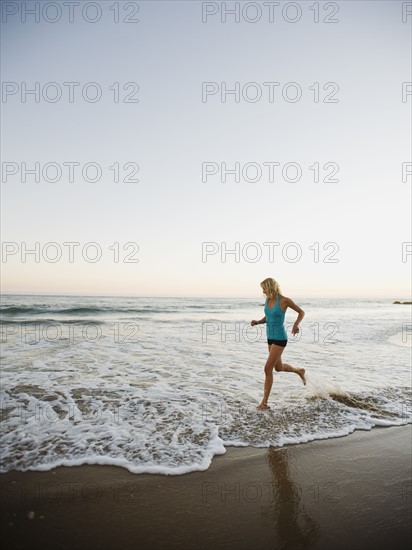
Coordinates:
[278,342]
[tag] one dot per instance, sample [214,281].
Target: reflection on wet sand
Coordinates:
[294,526]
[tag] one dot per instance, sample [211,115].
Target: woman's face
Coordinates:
[264,291]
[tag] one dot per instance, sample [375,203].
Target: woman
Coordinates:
[275,309]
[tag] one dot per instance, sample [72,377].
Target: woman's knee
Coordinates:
[279,366]
[268,369]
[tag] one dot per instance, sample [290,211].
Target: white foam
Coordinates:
[319,386]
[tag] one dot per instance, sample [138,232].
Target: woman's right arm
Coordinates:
[261,322]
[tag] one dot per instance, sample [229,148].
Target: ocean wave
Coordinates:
[51,322]
[155,392]
[102,310]
[82,310]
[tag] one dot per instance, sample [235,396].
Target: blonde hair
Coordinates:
[271,287]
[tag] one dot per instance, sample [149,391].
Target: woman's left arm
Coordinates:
[290,303]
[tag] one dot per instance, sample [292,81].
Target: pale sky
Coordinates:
[176,138]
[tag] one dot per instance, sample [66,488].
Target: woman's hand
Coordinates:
[253,323]
[295,329]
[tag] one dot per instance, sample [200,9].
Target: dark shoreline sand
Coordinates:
[353,492]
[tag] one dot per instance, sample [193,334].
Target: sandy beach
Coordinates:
[349,492]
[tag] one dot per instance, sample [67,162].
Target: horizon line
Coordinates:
[358,296]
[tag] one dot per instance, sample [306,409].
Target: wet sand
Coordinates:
[352,492]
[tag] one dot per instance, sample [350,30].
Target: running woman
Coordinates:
[275,309]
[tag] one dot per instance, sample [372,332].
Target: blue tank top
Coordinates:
[275,318]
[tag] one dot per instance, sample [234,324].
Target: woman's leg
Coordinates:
[288,368]
[274,355]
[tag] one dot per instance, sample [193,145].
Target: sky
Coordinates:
[198,152]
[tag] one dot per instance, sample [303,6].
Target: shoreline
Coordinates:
[354,490]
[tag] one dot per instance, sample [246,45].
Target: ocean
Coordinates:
[161,385]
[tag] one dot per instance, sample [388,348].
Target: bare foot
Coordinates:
[263,407]
[301,373]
